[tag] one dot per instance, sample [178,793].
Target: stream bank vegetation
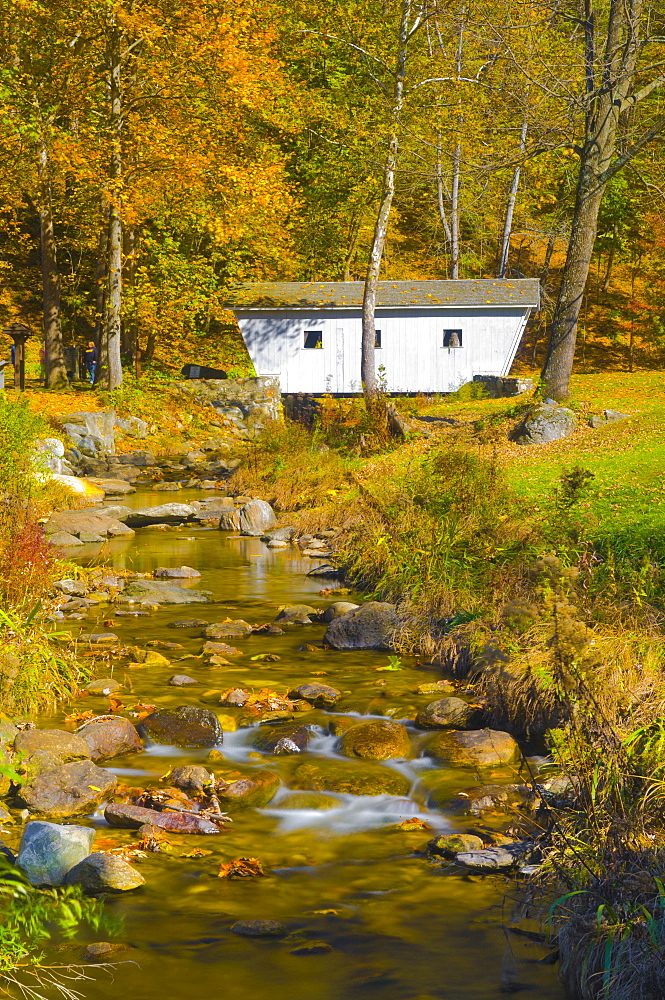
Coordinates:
[34,675]
[538,575]
[34,672]
[30,920]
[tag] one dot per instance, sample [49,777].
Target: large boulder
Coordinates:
[256,517]
[74,789]
[478,747]
[353,778]
[166,513]
[109,737]
[448,713]
[64,746]
[92,432]
[101,872]
[544,423]
[132,426]
[164,592]
[86,523]
[372,626]
[48,850]
[185,726]
[376,741]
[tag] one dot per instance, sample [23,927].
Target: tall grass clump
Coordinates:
[34,674]
[292,468]
[439,533]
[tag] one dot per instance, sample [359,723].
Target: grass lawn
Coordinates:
[627,458]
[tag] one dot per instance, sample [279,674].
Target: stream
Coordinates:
[391,923]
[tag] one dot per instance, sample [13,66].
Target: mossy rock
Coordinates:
[340,724]
[353,779]
[255,790]
[309,800]
[376,741]
[447,846]
[284,739]
[448,713]
[475,748]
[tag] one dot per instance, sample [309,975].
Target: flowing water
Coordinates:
[400,927]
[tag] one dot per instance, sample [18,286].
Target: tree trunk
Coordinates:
[56,374]
[455,214]
[439,194]
[367,360]
[110,374]
[605,103]
[610,264]
[457,162]
[510,209]
[353,244]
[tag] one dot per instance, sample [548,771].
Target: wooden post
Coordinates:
[19,334]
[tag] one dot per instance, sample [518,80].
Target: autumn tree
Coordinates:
[618,52]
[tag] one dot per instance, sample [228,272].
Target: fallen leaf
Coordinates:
[241,868]
[197,853]
[79,716]
[140,711]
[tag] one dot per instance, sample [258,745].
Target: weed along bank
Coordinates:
[431,336]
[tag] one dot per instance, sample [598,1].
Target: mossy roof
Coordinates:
[474,293]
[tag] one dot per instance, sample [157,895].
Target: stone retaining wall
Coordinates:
[246,403]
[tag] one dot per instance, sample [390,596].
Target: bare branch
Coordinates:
[344,41]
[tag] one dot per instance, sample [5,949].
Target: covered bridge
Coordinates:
[431,336]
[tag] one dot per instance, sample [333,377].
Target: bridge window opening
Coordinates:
[313,339]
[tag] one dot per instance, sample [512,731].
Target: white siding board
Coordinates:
[412,351]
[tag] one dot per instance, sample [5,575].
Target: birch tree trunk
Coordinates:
[367,360]
[440,194]
[457,165]
[605,102]
[455,214]
[510,209]
[56,374]
[110,368]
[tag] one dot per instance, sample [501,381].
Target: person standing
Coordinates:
[90,358]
